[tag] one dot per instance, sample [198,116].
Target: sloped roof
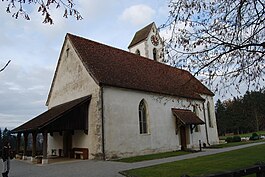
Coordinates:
[141,35]
[187,117]
[118,68]
[50,115]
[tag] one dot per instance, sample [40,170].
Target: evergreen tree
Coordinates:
[242,114]
[254,102]
[220,117]
[0,137]
[1,143]
[7,136]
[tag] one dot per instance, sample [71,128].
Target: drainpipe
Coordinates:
[102,123]
[206,130]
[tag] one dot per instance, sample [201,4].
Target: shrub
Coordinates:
[229,139]
[236,138]
[233,139]
[254,136]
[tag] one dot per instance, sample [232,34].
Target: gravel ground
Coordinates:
[93,168]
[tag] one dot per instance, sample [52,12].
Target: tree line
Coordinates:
[242,114]
[6,135]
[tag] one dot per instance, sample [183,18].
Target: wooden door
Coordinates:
[67,143]
[183,138]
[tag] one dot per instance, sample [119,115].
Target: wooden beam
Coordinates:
[25,135]
[45,143]
[34,143]
[18,142]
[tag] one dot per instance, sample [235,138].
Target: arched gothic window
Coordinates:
[155,54]
[137,52]
[143,117]
[209,114]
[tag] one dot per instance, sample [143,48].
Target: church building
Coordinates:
[107,103]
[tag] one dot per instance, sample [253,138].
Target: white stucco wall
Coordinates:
[121,119]
[72,81]
[55,142]
[121,123]
[212,131]
[141,47]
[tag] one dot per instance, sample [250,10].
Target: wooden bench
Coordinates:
[80,153]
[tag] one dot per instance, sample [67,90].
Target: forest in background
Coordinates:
[6,135]
[241,114]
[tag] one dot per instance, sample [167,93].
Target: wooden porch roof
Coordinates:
[187,117]
[56,118]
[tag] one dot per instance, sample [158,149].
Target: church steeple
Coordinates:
[147,43]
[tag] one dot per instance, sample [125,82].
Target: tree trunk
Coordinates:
[256,119]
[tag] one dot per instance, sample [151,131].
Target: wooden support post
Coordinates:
[45,146]
[25,145]
[18,142]
[34,142]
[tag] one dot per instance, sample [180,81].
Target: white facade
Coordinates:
[114,130]
[72,81]
[121,123]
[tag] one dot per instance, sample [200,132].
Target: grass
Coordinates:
[152,156]
[235,144]
[243,135]
[204,165]
[178,153]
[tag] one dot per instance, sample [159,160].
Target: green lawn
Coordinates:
[204,165]
[243,135]
[235,144]
[152,156]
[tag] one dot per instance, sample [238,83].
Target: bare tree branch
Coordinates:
[5,66]
[218,38]
[44,7]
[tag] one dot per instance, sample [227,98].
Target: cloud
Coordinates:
[163,10]
[94,10]
[23,93]
[138,14]
[34,48]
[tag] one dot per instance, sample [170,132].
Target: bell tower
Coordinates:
[148,43]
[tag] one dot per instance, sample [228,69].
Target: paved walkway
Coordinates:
[93,168]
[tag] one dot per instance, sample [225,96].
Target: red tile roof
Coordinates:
[141,35]
[187,117]
[50,116]
[118,68]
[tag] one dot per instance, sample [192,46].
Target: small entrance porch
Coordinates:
[64,120]
[186,122]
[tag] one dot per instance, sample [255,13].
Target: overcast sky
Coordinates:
[34,47]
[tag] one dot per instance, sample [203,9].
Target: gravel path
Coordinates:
[93,168]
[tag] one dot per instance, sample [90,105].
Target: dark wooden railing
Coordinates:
[259,170]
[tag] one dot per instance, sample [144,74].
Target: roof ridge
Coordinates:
[141,34]
[69,34]
[140,57]
[115,67]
